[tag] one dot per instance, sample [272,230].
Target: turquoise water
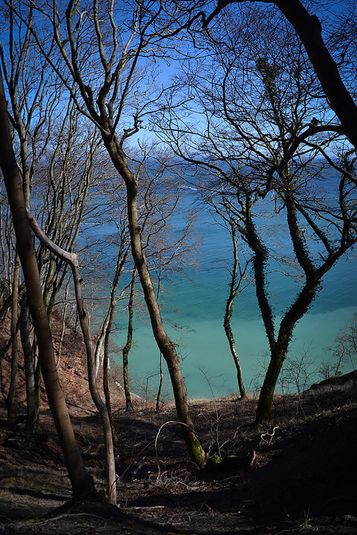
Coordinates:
[193,307]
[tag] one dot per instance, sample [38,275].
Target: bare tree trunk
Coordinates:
[161,379]
[63,325]
[161,373]
[30,379]
[3,350]
[128,344]
[165,344]
[232,346]
[72,260]
[11,398]
[102,343]
[81,481]
[279,348]
[233,290]
[106,388]
[102,408]
[104,337]
[266,396]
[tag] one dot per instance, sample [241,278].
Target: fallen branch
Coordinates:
[268,437]
[169,422]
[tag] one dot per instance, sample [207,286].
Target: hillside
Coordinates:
[302,480]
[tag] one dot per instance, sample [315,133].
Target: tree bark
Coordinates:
[102,408]
[165,344]
[128,344]
[266,396]
[11,398]
[80,479]
[161,380]
[32,399]
[72,260]
[280,347]
[233,290]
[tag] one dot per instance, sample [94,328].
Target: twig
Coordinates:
[264,436]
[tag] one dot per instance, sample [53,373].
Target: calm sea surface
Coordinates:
[193,307]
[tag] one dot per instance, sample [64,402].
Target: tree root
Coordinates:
[96,507]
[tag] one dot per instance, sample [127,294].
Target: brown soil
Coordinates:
[303,479]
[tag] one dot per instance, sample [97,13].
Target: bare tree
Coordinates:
[257,132]
[344,352]
[80,479]
[167,249]
[238,281]
[56,164]
[308,27]
[72,260]
[116,103]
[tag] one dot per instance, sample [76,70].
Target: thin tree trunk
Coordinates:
[122,255]
[161,374]
[11,398]
[232,346]
[31,398]
[102,408]
[81,481]
[106,388]
[129,340]
[7,303]
[63,325]
[233,290]
[161,380]
[104,337]
[72,260]
[3,350]
[165,344]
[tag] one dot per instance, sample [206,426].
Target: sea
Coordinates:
[193,303]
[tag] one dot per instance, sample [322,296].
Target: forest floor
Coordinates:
[303,479]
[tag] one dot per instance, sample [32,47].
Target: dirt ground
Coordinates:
[303,478]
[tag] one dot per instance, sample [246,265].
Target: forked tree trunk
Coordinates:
[279,349]
[81,481]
